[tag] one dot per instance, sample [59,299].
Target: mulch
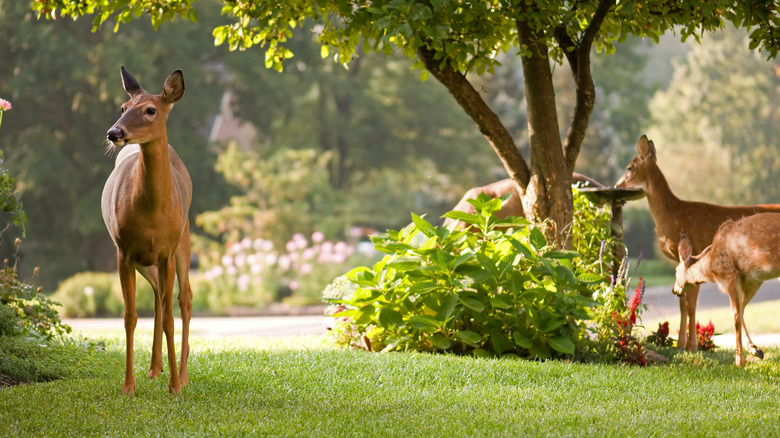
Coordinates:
[6,381]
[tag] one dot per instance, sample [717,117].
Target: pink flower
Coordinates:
[5,105]
[317,237]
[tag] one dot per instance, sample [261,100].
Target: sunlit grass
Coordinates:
[296,386]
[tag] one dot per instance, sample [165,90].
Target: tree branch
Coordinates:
[487,121]
[579,60]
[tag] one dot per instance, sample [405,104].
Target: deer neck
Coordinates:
[663,203]
[153,179]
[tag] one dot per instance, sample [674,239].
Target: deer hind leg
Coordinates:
[687,338]
[156,366]
[127,280]
[167,275]
[185,301]
[736,297]
[750,292]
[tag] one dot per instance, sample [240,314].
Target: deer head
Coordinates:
[144,115]
[636,171]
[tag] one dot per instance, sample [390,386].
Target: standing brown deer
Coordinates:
[145,204]
[742,256]
[674,218]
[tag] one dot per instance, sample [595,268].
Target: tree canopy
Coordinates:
[451,39]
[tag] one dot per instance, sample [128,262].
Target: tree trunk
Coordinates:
[548,194]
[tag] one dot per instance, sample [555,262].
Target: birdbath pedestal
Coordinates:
[615,197]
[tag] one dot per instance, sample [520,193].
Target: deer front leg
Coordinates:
[185,302]
[150,274]
[687,338]
[167,271]
[127,281]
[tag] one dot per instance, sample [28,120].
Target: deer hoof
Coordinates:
[757,352]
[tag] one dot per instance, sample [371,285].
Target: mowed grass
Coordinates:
[298,387]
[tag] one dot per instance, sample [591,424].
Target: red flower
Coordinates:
[636,299]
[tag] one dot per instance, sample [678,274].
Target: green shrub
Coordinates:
[24,310]
[493,292]
[99,294]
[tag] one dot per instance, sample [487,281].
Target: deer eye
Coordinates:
[151,111]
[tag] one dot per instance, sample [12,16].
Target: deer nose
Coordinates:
[114,134]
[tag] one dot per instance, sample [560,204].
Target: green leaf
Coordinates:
[463,216]
[468,337]
[471,302]
[561,254]
[499,303]
[553,324]
[424,323]
[521,340]
[390,317]
[522,249]
[424,287]
[441,342]
[537,239]
[447,307]
[424,226]
[562,344]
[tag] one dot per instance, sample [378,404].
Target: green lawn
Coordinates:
[298,387]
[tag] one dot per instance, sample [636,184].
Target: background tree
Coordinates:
[63,80]
[720,112]
[452,39]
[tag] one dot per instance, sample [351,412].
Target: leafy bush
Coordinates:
[99,294]
[501,290]
[25,311]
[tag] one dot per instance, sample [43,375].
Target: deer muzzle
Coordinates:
[115,135]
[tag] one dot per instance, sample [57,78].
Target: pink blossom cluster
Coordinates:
[257,261]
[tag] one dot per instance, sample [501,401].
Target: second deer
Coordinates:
[742,256]
[513,206]
[674,218]
[145,204]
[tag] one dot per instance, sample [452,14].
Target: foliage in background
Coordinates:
[280,195]
[720,112]
[501,290]
[63,106]
[99,294]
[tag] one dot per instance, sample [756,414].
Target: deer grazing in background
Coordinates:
[742,256]
[513,206]
[145,204]
[674,218]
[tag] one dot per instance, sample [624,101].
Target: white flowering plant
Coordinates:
[253,273]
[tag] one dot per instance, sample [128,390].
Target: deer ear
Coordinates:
[173,89]
[684,248]
[645,147]
[129,83]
